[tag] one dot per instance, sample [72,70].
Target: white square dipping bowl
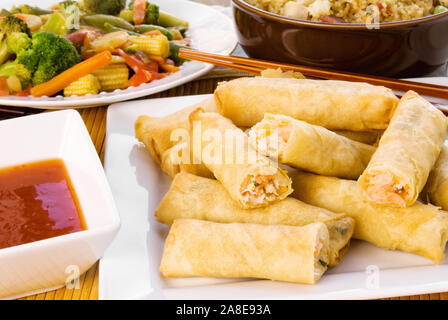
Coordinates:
[48,264]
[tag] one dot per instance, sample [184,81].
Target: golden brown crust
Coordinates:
[230,164]
[420,229]
[337,105]
[193,197]
[408,148]
[234,250]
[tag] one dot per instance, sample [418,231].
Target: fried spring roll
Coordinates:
[155,133]
[420,229]
[193,197]
[240,250]
[437,185]
[406,153]
[251,180]
[337,105]
[367,137]
[178,159]
[309,147]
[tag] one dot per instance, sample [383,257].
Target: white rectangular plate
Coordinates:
[130,267]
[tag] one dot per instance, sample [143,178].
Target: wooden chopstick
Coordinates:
[256,66]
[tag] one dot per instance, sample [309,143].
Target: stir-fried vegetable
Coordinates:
[67,77]
[121,46]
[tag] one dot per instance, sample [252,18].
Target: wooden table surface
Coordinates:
[95,120]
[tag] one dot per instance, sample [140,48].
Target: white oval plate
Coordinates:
[210,31]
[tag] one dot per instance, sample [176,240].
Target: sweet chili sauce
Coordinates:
[37,202]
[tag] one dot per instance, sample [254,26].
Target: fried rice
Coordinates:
[354,11]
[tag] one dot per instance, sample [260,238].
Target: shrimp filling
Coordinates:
[271,137]
[261,189]
[383,188]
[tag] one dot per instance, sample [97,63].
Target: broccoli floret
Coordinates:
[12,24]
[49,56]
[72,14]
[112,7]
[14,68]
[18,41]
[152,12]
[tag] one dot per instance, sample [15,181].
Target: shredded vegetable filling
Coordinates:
[261,189]
[266,141]
[320,265]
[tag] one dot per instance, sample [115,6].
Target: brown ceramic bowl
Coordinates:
[408,48]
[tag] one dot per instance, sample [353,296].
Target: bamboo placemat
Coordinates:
[95,120]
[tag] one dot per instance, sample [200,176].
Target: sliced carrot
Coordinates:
[157,59]
[80,70]
[142,76]
[4,91]
[169,68]
[139,11]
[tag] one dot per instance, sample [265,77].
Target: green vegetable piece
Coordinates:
[440,9]
[14,68]
[110,28]
[11,24]
[112,7]
[55,24]
[18,41]
[131,49]
[174,53]
[168,20]
[127,15]
[143,28]
[323,263]
[27,9]
[4,13]
[50,55]
[99,20]
[4,54]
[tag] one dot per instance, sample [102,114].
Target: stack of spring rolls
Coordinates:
[234,212]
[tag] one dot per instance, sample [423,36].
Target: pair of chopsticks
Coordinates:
[256,66]
[13,112]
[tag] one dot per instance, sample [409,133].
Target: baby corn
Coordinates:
[88,84]
[113,76]
[156,45]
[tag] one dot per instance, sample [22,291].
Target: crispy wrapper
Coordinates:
[252,180]
[367,137]
[241,250]
[193,197]
[178,159]
[437,185]
[310,147]
[406,153]
[155,133]
[335,105]
[420,229]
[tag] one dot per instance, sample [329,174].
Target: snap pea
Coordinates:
[168,20]
[439,9]
[174,52]
[143,28]
[110,28]
[99,20]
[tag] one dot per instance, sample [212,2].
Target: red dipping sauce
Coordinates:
[37,202]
